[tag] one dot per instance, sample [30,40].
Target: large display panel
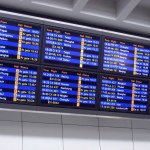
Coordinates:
[20,41]
[125,57]
[18,83]
[68,88]
[124,94]
[71,49]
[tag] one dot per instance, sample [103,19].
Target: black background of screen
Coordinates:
[40,43]
[122,111]
[96,107]
[119,74]
[63,64]
[37,83]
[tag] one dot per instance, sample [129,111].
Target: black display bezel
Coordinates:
[40,46]
[124,111]
[37,84]
[67,66]
[65,106]
[114,73]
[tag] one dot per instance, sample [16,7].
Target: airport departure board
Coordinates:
[61,87]
[126,58]
[124,94]
[19,41]
[17,83]
[63,47]
[70,68]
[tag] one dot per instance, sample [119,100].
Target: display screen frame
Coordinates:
[40,42]
[37,85]
[114,73]
[66,106]
[74,31]
[123,111]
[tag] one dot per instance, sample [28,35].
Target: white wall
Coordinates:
[29,131]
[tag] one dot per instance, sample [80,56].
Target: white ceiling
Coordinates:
[128,15]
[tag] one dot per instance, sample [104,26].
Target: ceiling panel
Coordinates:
[101,8]
[127,15]
[140,15]
[59,4]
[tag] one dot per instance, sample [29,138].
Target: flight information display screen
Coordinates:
[126,58]
[124,94]
[71,49]
[17,83]
[19,41]
[61,87]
